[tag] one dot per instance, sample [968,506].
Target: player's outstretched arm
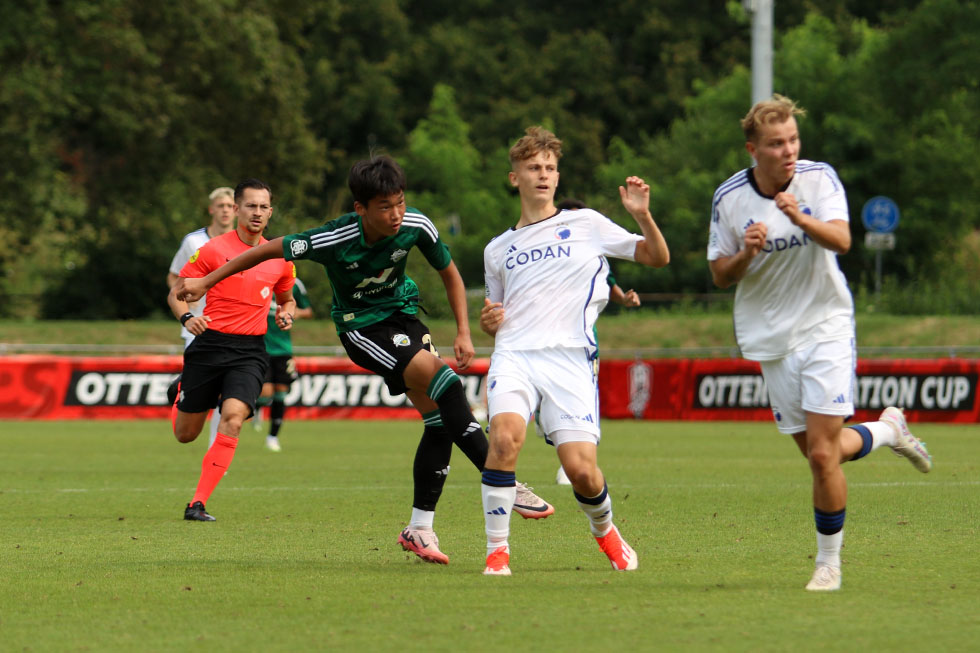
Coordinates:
[191,290]
[456,293]
[652,250]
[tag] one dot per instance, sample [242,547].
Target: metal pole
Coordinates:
[877,276]
[762,11]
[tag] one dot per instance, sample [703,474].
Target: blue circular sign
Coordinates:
[880,214]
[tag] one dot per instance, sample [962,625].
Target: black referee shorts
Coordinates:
[220,366]
[387,347]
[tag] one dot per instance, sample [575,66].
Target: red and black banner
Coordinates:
[67,387]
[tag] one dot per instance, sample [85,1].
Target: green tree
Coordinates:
[124,115]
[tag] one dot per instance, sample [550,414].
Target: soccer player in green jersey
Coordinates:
[375,308]
[282,368]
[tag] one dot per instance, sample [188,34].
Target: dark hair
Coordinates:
[570,203]
[379,176]
[250,183]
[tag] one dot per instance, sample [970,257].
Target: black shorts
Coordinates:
[387,347]
[220,366]
[282,370]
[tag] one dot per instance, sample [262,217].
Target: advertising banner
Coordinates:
[128,387]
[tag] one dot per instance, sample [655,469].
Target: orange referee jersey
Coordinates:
[240,303]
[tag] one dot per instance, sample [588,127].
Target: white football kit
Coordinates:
[551,279]
[793,295]
[192,242]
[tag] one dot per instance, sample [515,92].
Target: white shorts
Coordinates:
[559,380]
[816,379]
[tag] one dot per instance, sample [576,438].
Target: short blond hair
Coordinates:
[222,191]
[777,109]
[535,139]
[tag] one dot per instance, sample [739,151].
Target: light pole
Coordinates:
[761,11]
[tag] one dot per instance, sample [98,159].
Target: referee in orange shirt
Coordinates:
[226,362]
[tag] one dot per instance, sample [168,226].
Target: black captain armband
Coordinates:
[185,317]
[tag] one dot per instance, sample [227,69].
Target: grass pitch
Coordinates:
[94,554]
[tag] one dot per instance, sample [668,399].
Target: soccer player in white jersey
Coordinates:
[221,208]
[546,284]
[776,231]
[222,211]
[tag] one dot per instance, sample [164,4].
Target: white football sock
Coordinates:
[422,519]
[600,514]
[498,503]
[828,548]
[882,433]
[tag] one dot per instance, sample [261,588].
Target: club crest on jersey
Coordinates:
[805,209]
[398,255]
[264,292]
[352,266]
[563,232]
[298,247]
[401,340]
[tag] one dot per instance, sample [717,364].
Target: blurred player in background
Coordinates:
[545,289]
[776,231]
[282,368]
[375,308]
[227,359]
[221,207]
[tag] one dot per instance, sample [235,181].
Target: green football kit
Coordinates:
[368,281]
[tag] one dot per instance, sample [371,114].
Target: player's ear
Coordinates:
[359,208]
[512,176]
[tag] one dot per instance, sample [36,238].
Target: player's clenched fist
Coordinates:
[755,238]
[491,316]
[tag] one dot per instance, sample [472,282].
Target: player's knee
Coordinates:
[823,459]
[231,423]
[185,435]
[584,477]
[505,444]
[579,477]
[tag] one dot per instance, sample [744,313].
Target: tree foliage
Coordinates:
[117,117]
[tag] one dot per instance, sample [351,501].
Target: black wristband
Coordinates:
[185,317]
